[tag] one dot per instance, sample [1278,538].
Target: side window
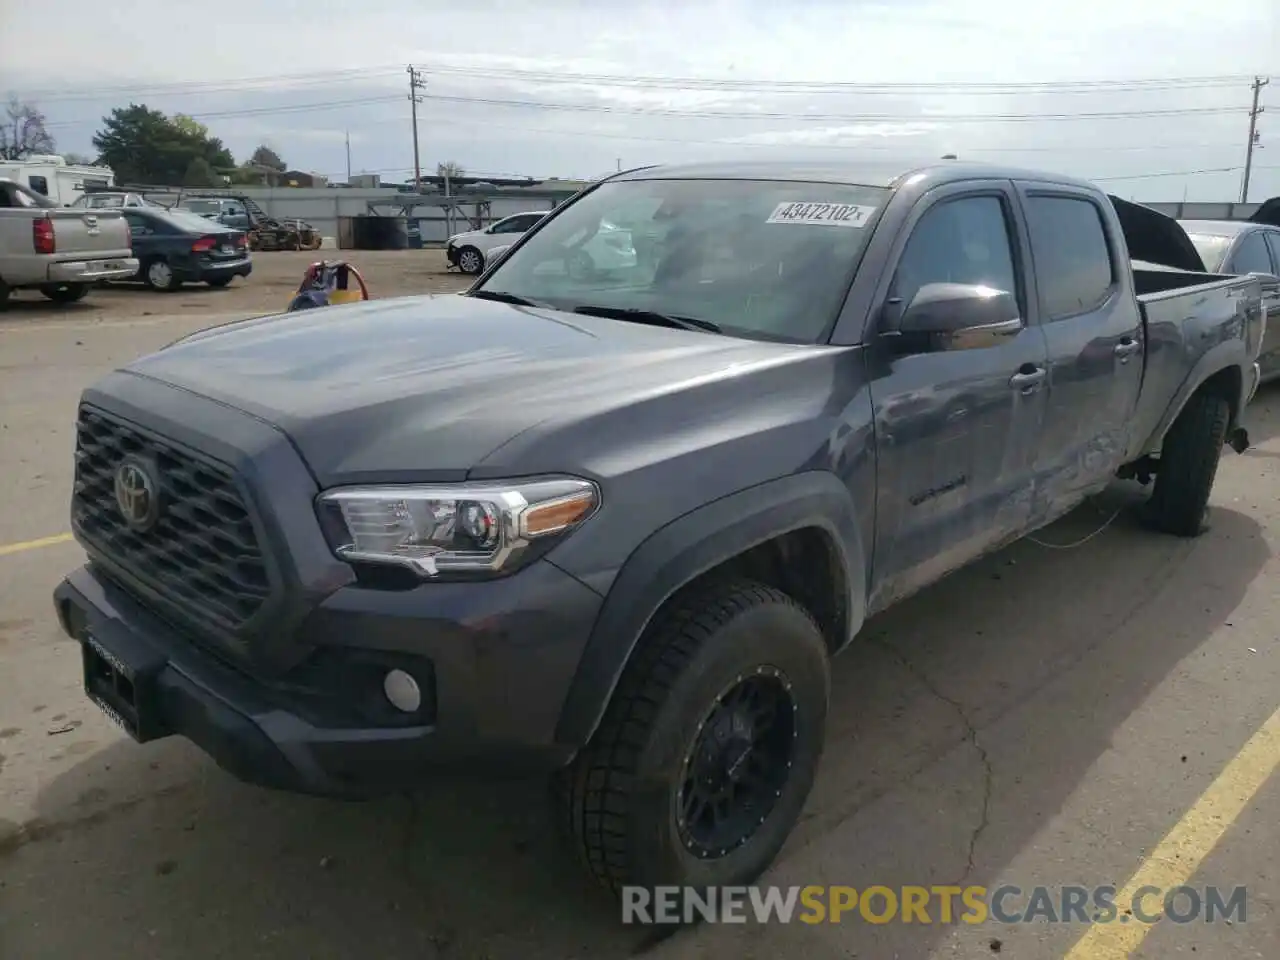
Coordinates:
[39,185]
[507,226]
[137,226]
[1273,241]
[1250,255]
[526,223]
[958,241]
[1073,259]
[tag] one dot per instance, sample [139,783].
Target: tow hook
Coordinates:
[1238,439]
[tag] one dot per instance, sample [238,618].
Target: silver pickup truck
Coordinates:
[57,250]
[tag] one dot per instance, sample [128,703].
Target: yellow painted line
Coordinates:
[1179,855]
[8,548]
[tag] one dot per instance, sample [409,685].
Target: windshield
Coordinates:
[765,259]
[1212,249]
[203,206]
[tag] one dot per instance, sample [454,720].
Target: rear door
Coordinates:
[1094,334]
[146,242]
[957,430]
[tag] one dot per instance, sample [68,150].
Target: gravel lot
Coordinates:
[1043,717]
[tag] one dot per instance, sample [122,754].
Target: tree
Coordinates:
[267,159]
[142,145]
[79,159]
[200,174]
[451,169]
[23,131]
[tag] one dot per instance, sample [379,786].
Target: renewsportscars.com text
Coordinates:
[930,905]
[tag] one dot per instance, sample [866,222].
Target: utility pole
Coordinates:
[348,156]
[1254,136]
[416,83]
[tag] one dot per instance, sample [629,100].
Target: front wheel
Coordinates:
[1187,467]
[709,746]
[65,292]
[470,260]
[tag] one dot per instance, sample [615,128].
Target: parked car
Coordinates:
[469,251]
[174,247]
[1245,247]
[57,250]
[616,528]
[227,211]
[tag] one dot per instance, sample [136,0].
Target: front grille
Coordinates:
[202,552]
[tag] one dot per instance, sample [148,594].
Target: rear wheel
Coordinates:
[4,294]
[709,746]
[470,260]
[1188,464]
[65,292]
[158,275]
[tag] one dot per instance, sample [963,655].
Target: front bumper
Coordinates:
[451,254]
[91,271]
[494,673]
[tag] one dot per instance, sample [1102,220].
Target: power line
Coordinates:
[653,81]
[807,86]
[255,111]
[1254,136]
[838,118]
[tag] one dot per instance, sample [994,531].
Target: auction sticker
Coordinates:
[824,214]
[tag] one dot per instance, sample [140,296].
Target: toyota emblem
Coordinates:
[137,495]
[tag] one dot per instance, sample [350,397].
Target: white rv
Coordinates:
[52,176]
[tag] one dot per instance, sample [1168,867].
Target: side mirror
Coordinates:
[957,316]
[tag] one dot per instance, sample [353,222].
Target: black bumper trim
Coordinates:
[251,731]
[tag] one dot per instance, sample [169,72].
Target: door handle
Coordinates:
[1126,348]
[1027,381]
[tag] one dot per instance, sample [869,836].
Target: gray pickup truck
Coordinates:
[59,251]
[614,523]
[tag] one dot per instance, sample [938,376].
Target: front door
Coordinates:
[957,430]
[1094,334]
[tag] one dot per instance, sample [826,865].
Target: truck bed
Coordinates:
[1185,315]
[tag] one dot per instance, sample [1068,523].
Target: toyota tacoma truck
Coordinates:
[57,250]
[613,524]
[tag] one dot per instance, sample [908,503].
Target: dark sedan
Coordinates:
[1247,247]
[174,247]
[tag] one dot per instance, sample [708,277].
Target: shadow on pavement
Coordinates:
[199,866]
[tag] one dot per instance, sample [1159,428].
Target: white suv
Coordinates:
[469,251]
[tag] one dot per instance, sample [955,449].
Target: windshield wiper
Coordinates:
[639,315]
[501,296]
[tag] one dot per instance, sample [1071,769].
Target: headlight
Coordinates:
[483,527]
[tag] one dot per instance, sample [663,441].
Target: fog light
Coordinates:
[402,690]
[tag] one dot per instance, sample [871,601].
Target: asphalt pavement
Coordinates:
[1063,713]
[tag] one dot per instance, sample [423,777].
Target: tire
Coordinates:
[1188,464]
[470,260]
[619,799]
[4,294]
[219,281]
[158,275]
[65,292]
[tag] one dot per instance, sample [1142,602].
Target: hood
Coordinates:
[1155,238]
[424,388]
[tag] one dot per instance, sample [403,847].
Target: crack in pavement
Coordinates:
[39,829]
[971,735]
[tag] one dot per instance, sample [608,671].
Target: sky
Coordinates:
[1148,97]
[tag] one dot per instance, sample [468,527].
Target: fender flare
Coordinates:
[1230,355]
[690,546]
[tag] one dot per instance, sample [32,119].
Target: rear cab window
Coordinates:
[1075,263]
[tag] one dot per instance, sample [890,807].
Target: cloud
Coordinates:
[573,87]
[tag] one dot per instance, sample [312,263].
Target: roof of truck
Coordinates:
[877,173]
